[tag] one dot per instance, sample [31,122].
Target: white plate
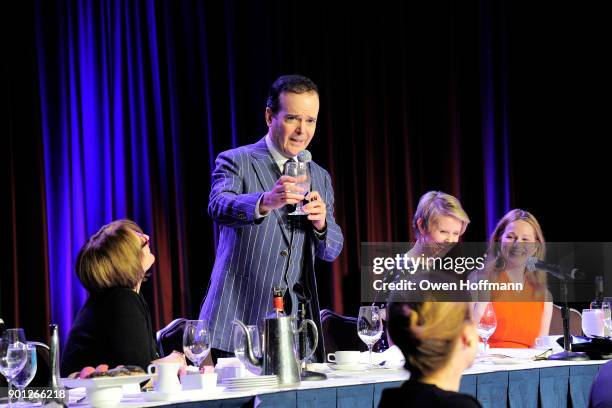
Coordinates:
[506,361]
[250,386]
[180,395]
[103,382]
[253,384]
[349,367]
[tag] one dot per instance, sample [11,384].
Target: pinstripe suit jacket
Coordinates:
[255,255]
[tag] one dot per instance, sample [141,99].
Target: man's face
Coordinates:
[293,126]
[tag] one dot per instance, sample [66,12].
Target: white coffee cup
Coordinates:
[547,342]
[167,376]
[344,357]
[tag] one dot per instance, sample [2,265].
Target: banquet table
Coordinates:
[514,382]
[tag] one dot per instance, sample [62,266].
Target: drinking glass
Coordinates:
[196,341]
[298,169]
[13,355]
[369,327]
[27,373]
[487,323]
[593,322]
[240,346]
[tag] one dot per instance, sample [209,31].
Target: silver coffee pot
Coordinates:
[278,349]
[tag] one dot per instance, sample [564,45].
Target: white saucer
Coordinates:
[349,367]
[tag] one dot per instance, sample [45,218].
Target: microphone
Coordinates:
[557,271]
[304,156]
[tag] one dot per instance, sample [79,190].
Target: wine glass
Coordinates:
[487,323]
[27,373]
[369,327]
[13,355]
[240,346]
[196,341]
[298,169]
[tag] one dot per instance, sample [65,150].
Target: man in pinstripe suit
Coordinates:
[260,245]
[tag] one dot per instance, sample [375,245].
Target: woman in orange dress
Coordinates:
[524,315]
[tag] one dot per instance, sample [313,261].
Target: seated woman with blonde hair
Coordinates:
[114,325]
[439,341]
[439,221]
[522,315]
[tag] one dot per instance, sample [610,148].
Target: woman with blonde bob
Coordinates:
[522,315]
[439,341]
[114,325]
[439,222]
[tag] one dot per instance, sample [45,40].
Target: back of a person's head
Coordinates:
[111,257]
[435,203]
[426,333]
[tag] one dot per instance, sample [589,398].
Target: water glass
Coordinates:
[593,322]
[487,323]
[13,355]
[27,373]
[196,341]
[369,327]
[298,169]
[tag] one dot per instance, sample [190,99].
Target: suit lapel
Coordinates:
[267,173]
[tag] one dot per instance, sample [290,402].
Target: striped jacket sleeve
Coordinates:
[228,205]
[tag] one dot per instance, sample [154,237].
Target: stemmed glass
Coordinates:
[298,169]
[196,341]
[27,373]
[13,355]
[369,327]
[240,346]
[487,323]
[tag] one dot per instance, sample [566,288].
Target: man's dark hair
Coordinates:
[288,83]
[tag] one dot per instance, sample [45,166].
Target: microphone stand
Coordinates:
[567,354]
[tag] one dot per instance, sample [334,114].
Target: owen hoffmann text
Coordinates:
[426,285]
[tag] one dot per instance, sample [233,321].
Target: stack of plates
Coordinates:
[242,383]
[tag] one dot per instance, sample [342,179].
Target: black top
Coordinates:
[113,327]
[416,394]
[601,392]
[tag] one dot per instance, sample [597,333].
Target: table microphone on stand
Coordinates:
[563,275]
